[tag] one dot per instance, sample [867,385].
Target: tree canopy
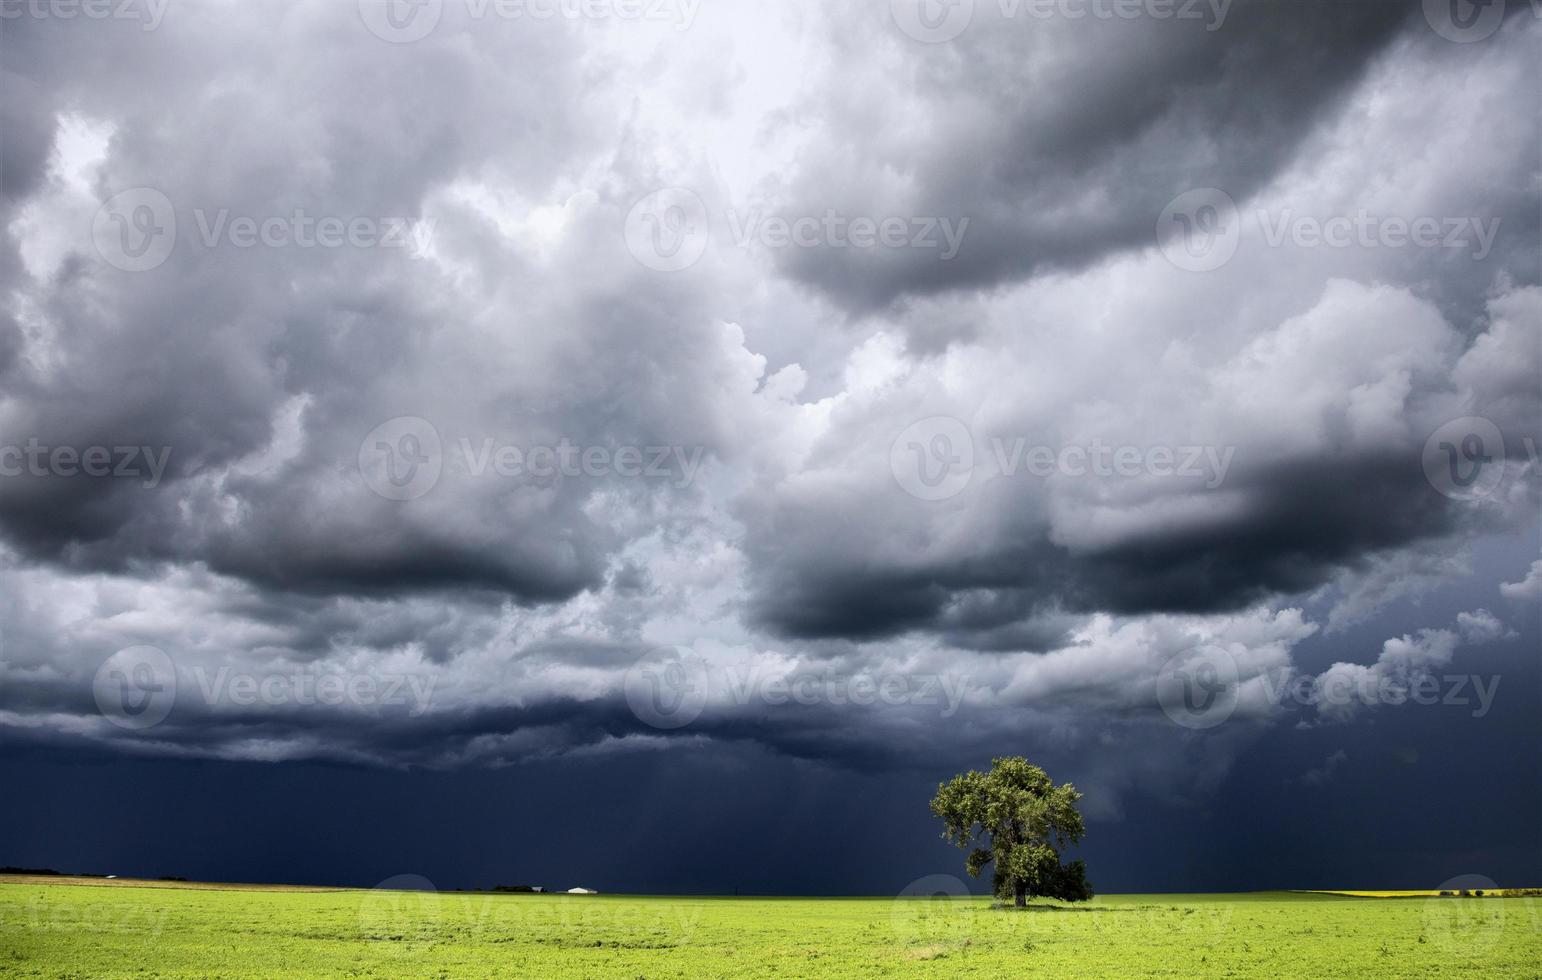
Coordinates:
[1024,822]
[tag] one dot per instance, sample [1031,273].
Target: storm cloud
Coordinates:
[480,374]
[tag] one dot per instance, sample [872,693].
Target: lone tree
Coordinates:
[1025,819]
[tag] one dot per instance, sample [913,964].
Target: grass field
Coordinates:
[122,929]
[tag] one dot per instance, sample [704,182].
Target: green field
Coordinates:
[121,929]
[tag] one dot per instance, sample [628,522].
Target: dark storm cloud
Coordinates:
[1281,526]
[1060,138]
[352,337]
[1300,523]
[1270,520]
[518,603]
[847,711]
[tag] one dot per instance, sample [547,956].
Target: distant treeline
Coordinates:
[51,873]
[1492,893]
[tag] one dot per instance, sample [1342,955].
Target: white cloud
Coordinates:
[1528,589]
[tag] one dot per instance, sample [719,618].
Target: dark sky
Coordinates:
[650,451]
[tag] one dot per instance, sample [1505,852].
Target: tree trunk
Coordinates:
[1020,896]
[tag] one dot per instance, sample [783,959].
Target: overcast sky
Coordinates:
[762,411]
